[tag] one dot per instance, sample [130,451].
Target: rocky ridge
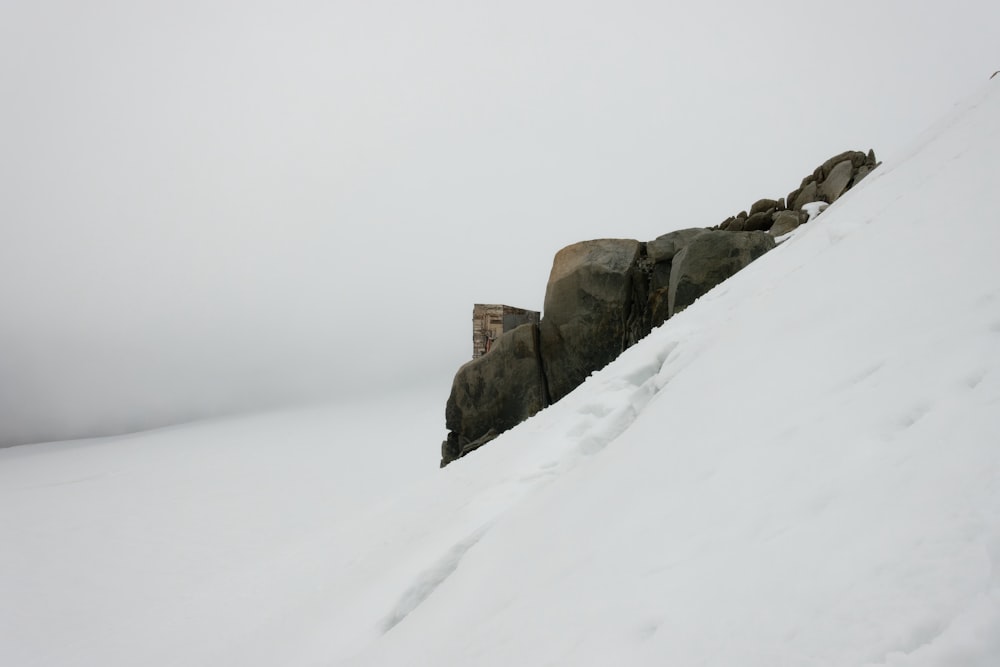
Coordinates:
[605,295]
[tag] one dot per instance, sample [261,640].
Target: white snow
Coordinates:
[802,468]
[814,208]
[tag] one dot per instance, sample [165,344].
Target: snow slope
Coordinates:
[803,468]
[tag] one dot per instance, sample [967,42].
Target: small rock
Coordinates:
[856,158]
[806,195]
[759,222]
[762,205]
[784,222]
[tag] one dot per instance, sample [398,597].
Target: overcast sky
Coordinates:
[208,205]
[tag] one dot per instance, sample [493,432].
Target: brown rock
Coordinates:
[710,259]
[587,301]
[808,194]
[759,222]
[836,183]
[762,205]
[495,392]
[784,222]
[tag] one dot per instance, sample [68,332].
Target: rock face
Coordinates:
[602,297]
[708,260]
[838,180]
[588,302]
[495,392]
[605,295]
[786,221]
[661,253]
[827,183]
[833,178]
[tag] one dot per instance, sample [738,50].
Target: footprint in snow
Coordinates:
[974,379]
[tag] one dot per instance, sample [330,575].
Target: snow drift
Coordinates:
[802,468]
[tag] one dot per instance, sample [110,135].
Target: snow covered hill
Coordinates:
[803,468]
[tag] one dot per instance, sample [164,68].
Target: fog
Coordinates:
[211,207]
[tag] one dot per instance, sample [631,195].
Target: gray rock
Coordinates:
[762,205]
[663,248]
[659,306]
[495,392]
[806,195]
[736,225]
[659,277]
[838,180]
[785,221]
[856,158]
[710,259]
[588,301]
[662,251]
[489,436]
[791,198]
[759,222]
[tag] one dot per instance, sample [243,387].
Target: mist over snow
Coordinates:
[801,468]
[213,207]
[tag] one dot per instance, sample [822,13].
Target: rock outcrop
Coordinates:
[495,392]
[827,183]
[661,253]
[833,178]
[787,221]
[605,295]
[708,260]
[588,303]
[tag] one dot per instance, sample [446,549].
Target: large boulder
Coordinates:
[662,249]
[661,252]
[708,260]
[759,222]
[807,194]
[839,178]
[787,221]
[762,205]
[495,392]
[592,292]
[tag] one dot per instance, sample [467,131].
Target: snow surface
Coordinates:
[802,468]
[814,208]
